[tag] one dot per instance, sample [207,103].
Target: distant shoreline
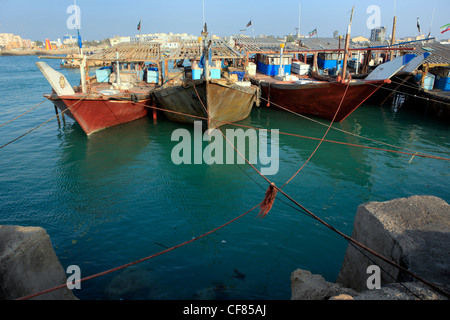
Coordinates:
[41,52]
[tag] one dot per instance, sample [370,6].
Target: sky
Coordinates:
[100,19]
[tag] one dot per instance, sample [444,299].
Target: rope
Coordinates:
[414,95]
[422,155]
[229,222]
[1,125]
[140,260]
[338,129]
[321,140]
[273,194]
[29,131]
[431,285]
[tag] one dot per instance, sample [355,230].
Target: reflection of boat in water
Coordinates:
[201,90]
[116,95]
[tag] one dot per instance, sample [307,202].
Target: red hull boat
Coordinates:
[94,113]
[103,104]
[319,98]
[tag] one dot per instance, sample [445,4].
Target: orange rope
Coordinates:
[140,260]
[321,140]
[423,155]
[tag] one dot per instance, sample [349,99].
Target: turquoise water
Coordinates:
[116,197]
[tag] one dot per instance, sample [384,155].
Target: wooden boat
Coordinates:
[115,95]
[217,100]
[321,96]
[307,92]
[206,92]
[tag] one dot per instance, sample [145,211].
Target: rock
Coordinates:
[414,232]
[28,264]
[342,297]
[308,286]
[400,291]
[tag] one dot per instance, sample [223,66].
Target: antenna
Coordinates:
[203,5]
[299,15]
[431,24]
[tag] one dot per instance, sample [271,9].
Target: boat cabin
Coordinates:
[269,64]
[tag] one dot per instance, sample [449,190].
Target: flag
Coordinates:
[418,25]
[139,25]
[249,24]
[445,28]
[80,44]
[312,32]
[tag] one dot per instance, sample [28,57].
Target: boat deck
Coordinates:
[142,87]
[271,79]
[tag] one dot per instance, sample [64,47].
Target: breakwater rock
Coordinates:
[413,232]
[28,265]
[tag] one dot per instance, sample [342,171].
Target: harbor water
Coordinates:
[116,196]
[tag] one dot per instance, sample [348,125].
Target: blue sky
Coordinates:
[101,19]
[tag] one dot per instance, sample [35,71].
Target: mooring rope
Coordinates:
[140,260]
[1,125]
[321,140]
[35,128]
[273,186]
[270,196]
[414,95]
[417,154]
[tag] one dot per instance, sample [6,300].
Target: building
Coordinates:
[360,39]
[69,39]
[117,39]
[12,41]
[378,34]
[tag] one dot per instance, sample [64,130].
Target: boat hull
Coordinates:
[322,99]
[95,114]
[213,102]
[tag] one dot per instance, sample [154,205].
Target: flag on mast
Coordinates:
[80,43]
[312,32]
[445,28]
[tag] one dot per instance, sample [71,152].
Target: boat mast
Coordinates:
[78,25]
[118,81]
[347,41]
[281,67]
[393,36]
[205,53]
[394,23]
[299,15]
